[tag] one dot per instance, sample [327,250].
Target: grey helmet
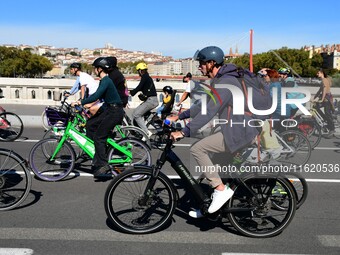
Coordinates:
[101,62]
[210,53]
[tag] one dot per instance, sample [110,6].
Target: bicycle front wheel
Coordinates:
[133,209]
[141,154]
[254,215]
[49,169]
[44,121]
[15,180]
[300,188]
[311,130]
[11,126]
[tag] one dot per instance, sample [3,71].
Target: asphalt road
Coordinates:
[68,217]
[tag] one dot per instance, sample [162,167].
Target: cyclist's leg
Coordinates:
[328,116]
[149,104]
[108,120]
[200,151]
[93,123]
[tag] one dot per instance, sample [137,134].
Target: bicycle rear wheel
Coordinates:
[254,216]
[141,154]
[15,180]
[131,211]
[132,132]
[51,170]
[11,126]
[296,148]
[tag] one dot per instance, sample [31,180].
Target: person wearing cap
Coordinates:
[148,89]
[231,138]
[108,116]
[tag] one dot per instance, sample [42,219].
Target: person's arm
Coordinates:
[199,120]
[75,87]
[97,95]
[319,92]
[185,95]
[82,91]
[139,87]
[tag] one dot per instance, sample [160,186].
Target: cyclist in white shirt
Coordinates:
[87,85]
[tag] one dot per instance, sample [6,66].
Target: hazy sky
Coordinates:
[175,28]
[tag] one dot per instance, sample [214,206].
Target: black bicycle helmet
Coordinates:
[112,62]
[76,65]
[188,75]
[168,89]
[101,62]
[210,53]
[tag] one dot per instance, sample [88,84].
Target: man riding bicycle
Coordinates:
[231,138]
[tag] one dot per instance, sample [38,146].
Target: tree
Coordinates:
[296,59]
[22,63]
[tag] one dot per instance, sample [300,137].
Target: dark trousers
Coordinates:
[327,116]
[98,128]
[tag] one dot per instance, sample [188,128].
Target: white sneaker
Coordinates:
[219,198]
[149,133]
[196,214]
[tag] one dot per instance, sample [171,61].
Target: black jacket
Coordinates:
[119,81]
[145,85]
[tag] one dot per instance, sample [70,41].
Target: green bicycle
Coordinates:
[53,159]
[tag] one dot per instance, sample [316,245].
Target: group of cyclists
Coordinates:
[107,100]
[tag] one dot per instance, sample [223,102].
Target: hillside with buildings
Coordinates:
[159,65]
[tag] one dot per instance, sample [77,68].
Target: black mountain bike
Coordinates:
[147,204]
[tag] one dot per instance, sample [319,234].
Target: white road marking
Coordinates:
[227,253]
[330,240]
[15,251]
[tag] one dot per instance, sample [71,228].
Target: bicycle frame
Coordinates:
[318,118]
[190,182]
[87,145]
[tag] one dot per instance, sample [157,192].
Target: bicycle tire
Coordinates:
[51,134]
[141,154]
[311,130]
[133,132]
[11,126]
[263,220]
[300,187]
[298,144]
[123,207]
[15,180]
[44,121]
[48,170]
